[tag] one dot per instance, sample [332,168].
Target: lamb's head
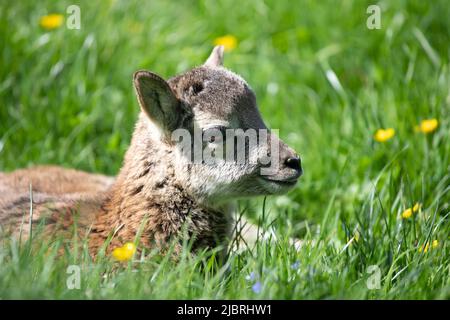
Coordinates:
[222,148]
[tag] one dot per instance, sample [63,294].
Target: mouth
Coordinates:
[282,182]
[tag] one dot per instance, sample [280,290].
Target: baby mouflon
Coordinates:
[160,190]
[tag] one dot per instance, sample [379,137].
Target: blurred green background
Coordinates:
[320,76]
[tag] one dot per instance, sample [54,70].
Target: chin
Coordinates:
[276,187]
[254,187]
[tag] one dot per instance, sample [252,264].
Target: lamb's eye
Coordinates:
[214,134]
[196,88]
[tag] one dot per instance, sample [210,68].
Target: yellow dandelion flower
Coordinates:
[417,207]
[409,212]
[229,42]
[427,247]
[125,252]
[427,126]
[435,244]
[383,135]
[51,21]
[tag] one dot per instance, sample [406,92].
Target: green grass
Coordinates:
[66,98]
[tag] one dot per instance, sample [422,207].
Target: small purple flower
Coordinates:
[251,277]
[257,287]
[295,265]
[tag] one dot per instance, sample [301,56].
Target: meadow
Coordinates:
[372,205]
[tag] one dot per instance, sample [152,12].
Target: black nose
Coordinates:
[294,163]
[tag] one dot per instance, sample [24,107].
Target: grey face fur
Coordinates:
[206,97]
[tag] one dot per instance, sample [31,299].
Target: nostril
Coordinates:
[293,163]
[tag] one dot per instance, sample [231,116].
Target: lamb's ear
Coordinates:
[157,100]
[215,58]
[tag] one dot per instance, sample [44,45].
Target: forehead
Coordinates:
[223,93]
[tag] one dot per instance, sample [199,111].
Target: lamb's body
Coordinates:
[58,196]
[158,191]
